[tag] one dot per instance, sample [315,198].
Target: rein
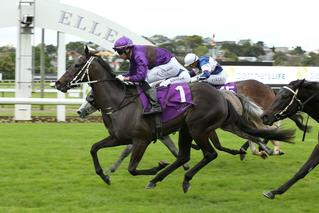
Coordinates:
[121,105]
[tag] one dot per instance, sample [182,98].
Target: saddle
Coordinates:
[174,100]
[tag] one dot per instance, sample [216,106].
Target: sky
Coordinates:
[279,23]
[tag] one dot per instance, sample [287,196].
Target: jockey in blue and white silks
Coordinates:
[208,68]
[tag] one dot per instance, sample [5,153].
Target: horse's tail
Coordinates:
[271,134]
[251,110]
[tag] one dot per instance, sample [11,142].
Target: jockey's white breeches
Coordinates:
[183,77]
[218,79]
[166,71]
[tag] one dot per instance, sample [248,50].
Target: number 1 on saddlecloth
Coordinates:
[180,89]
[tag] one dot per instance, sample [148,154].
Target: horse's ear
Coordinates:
[86,51]
[302,81]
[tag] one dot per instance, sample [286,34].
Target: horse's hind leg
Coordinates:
[310,164]
[167,141]
[139,147]
[255,151]
[214,139]
[107,142]
[209,154]
[277,150]
[124,154]
[184,147]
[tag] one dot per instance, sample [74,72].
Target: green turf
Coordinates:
[48,168]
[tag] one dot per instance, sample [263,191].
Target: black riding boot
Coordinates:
[155,106]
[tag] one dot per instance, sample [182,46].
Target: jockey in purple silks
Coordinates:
[149,66]
[205,68]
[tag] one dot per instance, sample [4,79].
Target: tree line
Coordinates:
[179,46]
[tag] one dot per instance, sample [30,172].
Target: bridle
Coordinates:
[78,79]
[294,98]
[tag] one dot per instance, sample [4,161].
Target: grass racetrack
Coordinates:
[47,167]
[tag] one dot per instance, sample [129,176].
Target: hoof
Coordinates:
[186,186]
[112,169]
[269,195]
[281,153]
[278,152]
[106,179]
[242,154]
[186,167]
[263,155]
[150,185]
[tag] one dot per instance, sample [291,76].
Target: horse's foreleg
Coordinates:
[310,164]
[167,141]
[214,139]
[124,154]
[209,154]
[139,147]
[184,147]
[107,142]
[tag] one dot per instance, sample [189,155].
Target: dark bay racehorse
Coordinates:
[122,115]
[299,95]
[259,93]
[263,96]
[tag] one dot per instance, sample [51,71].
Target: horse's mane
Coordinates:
[311,84]
[105,65]
[108,68]
[302,83]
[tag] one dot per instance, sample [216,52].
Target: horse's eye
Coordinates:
[77,65]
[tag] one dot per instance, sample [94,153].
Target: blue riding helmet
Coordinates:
[122,43]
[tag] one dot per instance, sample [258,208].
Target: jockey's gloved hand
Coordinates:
[204,75]
[120,77]
[123,79]
[194,79]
